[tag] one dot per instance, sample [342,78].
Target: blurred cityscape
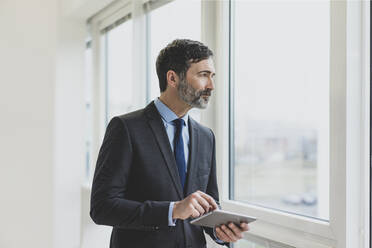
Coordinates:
[276,167]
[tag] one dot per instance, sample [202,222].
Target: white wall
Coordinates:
[69,152]
[27,62]
[41,130]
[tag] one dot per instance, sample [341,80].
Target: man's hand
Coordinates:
[193,206]
[231,232]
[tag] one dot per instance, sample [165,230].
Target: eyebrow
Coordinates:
[207,72]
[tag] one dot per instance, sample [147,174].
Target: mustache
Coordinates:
[207,92]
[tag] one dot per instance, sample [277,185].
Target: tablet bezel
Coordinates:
[219,217]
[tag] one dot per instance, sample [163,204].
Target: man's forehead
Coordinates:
[203,65]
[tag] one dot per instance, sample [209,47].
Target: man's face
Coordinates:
[196,88]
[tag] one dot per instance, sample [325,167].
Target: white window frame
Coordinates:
[348,225]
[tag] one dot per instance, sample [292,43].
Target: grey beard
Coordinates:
[191,96]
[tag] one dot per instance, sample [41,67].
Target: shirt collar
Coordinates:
[167,114]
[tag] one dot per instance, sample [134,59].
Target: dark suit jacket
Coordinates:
[136,178]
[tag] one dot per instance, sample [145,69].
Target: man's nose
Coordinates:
[210,83]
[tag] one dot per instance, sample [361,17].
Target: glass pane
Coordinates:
[119,70]
[281,105]
[180,19]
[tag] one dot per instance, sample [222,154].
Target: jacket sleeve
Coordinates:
[109,205]
[212,189]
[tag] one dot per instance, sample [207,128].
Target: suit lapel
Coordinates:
[160,134]
[192,167]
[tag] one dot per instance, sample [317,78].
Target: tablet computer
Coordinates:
[219,217]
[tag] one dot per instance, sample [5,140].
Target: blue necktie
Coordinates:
[179,152]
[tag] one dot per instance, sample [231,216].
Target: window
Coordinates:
[280,148]
[118,67]
[328,92]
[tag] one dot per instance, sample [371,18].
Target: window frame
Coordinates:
[347,110]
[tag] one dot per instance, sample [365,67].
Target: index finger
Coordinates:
[209,199]
[244,226]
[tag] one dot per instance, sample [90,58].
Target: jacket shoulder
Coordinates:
[131,116]
[202,129]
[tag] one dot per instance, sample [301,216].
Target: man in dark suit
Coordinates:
[156,168]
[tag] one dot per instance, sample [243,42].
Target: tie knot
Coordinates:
[179,123]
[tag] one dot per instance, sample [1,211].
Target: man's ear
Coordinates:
[172,78]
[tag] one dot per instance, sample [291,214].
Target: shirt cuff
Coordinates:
[217,239]
[171,222]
